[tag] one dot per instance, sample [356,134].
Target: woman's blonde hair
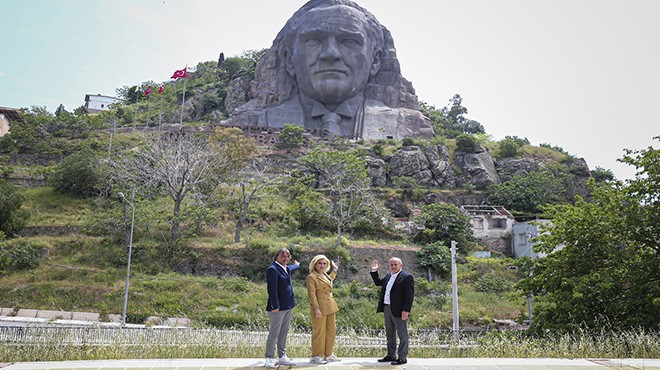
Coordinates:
[317,258]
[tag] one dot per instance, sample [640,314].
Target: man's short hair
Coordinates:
[280,251]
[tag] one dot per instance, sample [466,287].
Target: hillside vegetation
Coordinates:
[210,210]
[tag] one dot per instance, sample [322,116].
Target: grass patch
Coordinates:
[61,344]
[49,208]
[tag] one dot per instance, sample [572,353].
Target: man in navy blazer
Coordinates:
[280,303]
[395,301]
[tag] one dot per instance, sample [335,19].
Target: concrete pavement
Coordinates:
[348,363]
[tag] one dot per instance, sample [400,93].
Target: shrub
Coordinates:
[292,135]
[407,141]
[467,143]
[20,254]
[78,175]
[435,257]
[509,147]
[12,218]
[491,282]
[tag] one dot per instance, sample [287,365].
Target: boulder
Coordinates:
[477,168]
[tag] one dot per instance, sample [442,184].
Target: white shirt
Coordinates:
[283,267]
[388,288]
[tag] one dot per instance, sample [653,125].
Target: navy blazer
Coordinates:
[401,295]
[280,290]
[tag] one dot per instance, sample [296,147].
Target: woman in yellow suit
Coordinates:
[323,309]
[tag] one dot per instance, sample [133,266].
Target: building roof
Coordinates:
[101,96]
[485,210]
[12,114]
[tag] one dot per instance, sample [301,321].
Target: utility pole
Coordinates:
[454,292]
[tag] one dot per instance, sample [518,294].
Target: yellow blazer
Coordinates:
[319,292]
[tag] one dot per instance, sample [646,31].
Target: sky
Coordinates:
[583,75]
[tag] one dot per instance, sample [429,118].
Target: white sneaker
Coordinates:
[317,360]
[332,358]
[269,363]
[285,361]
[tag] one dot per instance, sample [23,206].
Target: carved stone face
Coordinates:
[332,57]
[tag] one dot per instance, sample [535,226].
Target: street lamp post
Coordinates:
[130,251]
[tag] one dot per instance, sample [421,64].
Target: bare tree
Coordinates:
[177,163]
[248,187]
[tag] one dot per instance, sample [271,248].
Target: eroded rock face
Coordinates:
[295,82]
[238,92]
[477,168]
[507,168]
[377,171]
[430,167]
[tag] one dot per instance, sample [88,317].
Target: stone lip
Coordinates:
[30,317]
[351,363]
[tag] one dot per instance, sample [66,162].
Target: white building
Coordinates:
[6,116]
[491,225]
[523,233]
[97,103]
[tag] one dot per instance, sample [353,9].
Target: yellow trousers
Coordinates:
[323,334]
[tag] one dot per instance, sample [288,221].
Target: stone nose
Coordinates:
[330,49]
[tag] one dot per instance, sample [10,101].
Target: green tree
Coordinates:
[292,135]
[528,193]
[12,218]
[444,223]
[601,268]
[247,188]
[601,174]
[342,177]
[79,175]
[644,194]
[436,258]
[305,206]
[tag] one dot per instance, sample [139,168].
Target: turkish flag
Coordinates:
[160,89]
[147,91]
[181,73]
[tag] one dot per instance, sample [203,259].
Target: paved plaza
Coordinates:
[348,363]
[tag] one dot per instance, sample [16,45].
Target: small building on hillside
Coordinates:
[97,103]
[523,233]
[491,225]
[7,115]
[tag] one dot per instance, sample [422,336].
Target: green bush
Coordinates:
[292,136]
[20,254]
[508,148]
[407,141]
[12,218]
[494,283]
[436,257]
[467,143]
[78,175]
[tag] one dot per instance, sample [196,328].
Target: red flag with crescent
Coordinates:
[180,73]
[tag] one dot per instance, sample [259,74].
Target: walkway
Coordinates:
[347,363]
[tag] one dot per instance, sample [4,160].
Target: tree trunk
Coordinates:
[175,220]
[237,230]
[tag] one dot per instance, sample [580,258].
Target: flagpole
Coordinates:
[137,97]
[160,109]
[112,132]
[183,100]
[148,110]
